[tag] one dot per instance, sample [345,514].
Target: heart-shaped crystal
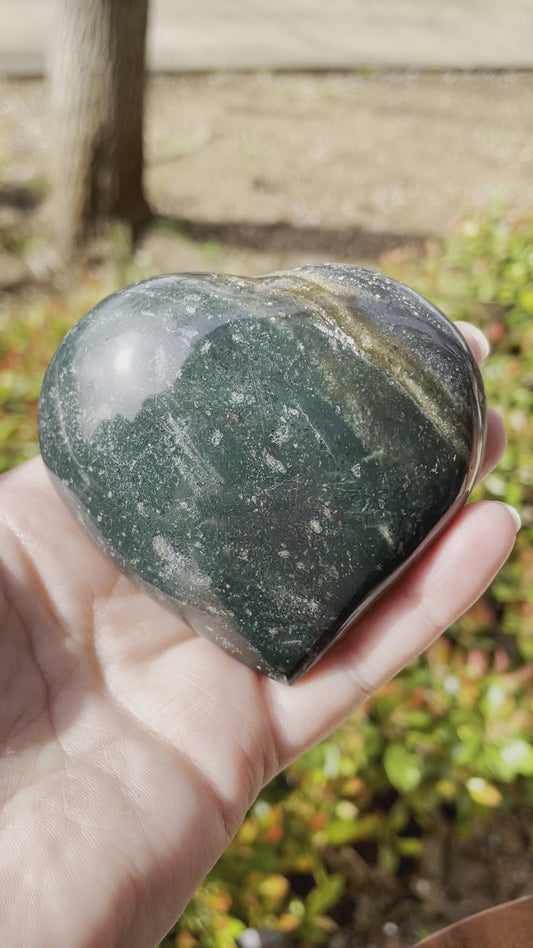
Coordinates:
[264,455]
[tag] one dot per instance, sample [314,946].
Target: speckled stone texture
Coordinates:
[264,455]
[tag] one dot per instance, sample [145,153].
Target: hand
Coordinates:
[131,749]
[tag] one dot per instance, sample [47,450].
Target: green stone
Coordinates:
[265,456]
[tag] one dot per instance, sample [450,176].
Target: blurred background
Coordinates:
[396,134]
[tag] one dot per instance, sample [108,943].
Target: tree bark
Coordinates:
[96,97]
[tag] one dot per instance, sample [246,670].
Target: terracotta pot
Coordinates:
[510,924]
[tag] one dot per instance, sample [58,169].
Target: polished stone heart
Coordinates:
[264,455]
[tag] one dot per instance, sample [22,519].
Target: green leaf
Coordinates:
[518,755]
[402,768]
[483,792]
[340,832]
[273,887]
[325,896]
[227,930]
[409,846]
[388,858]
[420,720]
[525,299]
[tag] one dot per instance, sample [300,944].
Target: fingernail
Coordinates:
[481,339]
[514,514]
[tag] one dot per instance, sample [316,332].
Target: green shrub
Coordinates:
[29,334]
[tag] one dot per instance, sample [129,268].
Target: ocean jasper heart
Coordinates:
[264,455]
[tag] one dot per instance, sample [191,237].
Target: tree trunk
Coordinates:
[97,93]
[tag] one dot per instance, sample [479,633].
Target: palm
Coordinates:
[130,748]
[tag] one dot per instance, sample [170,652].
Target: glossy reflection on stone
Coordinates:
[264,455]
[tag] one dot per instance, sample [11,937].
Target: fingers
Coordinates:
[496,436]
[477,341]
[435,592]
[495,444]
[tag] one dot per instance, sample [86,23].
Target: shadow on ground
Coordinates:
[18,198]
[282,237]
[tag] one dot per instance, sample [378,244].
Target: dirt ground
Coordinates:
[456,878]
[253,172]
[250,173]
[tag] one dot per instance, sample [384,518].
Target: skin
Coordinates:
[131,749]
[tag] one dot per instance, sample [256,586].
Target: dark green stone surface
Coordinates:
[264,455]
